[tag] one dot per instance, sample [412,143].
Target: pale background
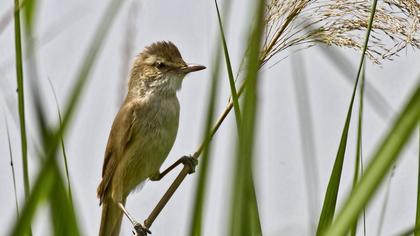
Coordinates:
[64,31]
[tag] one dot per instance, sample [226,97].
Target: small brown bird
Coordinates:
[143,131]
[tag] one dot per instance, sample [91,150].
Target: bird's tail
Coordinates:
[111,218]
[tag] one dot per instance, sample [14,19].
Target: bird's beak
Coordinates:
[192,67]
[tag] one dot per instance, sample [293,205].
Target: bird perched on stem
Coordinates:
[143,131]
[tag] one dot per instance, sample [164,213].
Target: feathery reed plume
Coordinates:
[341,23]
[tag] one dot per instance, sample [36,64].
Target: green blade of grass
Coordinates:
[46,179]
[233,91]
[358,158]
[330,200]
[236,107]
[382,161]
[51,140]
[244,217]
[39,193]
[197,214]
[21,99]
[21,102]
[63,148]
[253,211]
[362,169]
[64,223]
[29,12]
[417,233]
[62,210]
[46,190]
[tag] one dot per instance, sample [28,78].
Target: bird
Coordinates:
[143,131]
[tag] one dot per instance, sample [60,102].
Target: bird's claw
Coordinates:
[140,230]
[189,161]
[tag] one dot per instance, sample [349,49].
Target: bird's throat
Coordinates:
[165,85]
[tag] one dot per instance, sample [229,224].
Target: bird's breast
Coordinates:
[157,127]
[160,116]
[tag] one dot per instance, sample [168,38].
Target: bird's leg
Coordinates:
[140,229]
[189,161]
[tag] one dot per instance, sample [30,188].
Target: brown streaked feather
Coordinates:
[165,49]
[119,138]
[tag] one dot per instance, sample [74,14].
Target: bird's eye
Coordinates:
[160,65]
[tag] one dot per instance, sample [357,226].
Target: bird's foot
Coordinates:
[140,230]
[189,161]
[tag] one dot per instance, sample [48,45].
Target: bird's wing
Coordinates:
[119,137]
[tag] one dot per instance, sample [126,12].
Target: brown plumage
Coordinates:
[144,129]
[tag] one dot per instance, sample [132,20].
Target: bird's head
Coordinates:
[160,68]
